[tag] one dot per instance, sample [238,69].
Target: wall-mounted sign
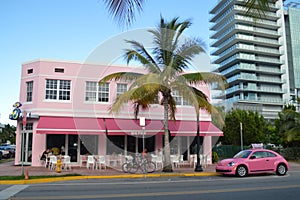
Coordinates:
[16,113]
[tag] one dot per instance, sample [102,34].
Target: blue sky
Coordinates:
[71,29]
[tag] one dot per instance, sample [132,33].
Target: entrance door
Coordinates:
[26,145]
[73,145]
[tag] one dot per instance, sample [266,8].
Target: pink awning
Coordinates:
[70,125]
[189,128]
[132,127]
[96,126]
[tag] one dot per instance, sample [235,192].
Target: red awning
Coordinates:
[70,125]
[132,127]
[189,128]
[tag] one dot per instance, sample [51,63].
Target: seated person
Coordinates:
[45,154]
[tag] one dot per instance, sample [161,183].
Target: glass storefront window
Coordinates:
[55,142]
[115,144]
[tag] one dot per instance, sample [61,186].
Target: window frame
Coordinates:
[58,90]
[29,91]
[99,93]
[121,90]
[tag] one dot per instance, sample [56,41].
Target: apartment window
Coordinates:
[103,94]
[121,88]
[179,99]
[95,92]
[58,89]
[59,70]
[29,71]
[29,91]
[91,91]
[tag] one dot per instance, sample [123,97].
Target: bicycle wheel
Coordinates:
[149,167]
[124,168]
[132,167]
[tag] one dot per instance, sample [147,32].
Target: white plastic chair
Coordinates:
[66,162]
[90,161]
[82,160]
[52,162]
[101,162]
[181,161]
[175,160]
[159,161]
[193,160]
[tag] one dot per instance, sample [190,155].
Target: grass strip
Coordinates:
[35,177]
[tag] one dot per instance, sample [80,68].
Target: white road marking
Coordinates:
[8,192]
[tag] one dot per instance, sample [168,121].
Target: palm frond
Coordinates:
[185,53]
[125,76]
[206,77]
[293,134]
[139,53]
[257,8]
[123,11]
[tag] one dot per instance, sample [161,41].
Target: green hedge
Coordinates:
[291,153]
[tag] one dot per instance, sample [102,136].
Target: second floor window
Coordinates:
[58,89]
[96,93]
[179,99]
[121,88]
[29,91]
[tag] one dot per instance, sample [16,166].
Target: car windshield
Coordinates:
[242,154]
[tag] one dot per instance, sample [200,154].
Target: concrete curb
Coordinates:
[71,178]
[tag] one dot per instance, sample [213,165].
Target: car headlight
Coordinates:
[231,164]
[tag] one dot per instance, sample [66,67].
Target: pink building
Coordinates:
[69,113]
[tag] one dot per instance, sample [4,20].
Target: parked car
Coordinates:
[7,151]
[253,161]
[0,155]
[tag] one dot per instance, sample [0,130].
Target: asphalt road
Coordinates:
[255,187]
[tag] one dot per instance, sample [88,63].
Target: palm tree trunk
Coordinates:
[167,158]
[198,167]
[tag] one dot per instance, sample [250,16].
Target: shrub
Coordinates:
[215,157]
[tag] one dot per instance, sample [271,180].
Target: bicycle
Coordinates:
[132,166]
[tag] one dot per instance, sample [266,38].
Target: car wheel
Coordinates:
[281,170]
[241,171]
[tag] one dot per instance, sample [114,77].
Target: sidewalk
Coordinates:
[9,169]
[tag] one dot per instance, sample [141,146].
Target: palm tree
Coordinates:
[165,65]
[291,125]
[124,11]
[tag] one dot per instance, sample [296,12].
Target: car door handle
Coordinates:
[267,160]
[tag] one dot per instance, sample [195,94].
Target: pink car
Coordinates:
[253,161]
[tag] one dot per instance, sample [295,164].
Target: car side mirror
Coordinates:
[252,157]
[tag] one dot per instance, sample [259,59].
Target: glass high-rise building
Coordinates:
[292,27]
[253,54]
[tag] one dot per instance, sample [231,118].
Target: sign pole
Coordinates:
[22,142]
[241,132]
[142,124]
